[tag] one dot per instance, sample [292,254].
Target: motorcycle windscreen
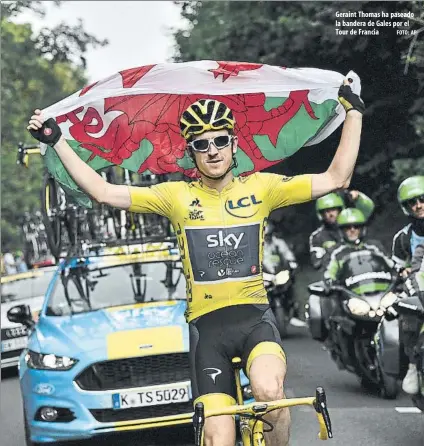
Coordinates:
[365,273]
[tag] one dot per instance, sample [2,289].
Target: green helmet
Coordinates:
[329,201]
[352,216]
[412,187]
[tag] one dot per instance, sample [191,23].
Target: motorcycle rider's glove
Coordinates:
[391,314]
[293,265]
[49,133]
[350,100]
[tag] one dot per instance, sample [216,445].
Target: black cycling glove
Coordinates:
[350,100]
[49,133]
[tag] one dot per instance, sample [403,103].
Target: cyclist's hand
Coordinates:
[349,99]
[47,132]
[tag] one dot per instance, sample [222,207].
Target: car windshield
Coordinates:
[84,290]
[26,285]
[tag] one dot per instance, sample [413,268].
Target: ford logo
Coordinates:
[16,332]
[44,389]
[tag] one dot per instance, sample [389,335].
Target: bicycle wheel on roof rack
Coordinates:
[50,210]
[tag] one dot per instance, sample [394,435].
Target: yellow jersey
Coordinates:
[220,234]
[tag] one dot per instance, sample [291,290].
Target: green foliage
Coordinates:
[32,76]
[408,167]
[302,34]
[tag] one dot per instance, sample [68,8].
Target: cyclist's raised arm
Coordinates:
[86,177]
[340,172]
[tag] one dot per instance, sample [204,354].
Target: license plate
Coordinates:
[152,396]
[14,344]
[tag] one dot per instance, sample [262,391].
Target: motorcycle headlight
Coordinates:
[388,300]
[282,277]
[42,361]
[358,306]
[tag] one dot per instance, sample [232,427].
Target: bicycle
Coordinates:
[251,421]
[57,212]
[35,237]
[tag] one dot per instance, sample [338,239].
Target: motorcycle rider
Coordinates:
[276,251]
[410,327]
[278,256]
[410,196]
[352,225]
[323,240]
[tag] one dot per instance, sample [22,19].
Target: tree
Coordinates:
[298,34]
[37,70]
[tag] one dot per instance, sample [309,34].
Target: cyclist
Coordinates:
[219,222]
[344,259]
[324,239]
[410,196]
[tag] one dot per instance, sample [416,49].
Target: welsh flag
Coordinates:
[131,118]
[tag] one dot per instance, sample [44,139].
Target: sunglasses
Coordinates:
[413,201]
[202,145]
[352,227]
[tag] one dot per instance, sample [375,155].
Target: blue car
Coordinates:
[109,351]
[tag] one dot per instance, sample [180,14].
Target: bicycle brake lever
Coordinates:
[198,423]
[321,407]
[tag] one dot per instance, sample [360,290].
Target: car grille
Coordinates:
[135,372]
[136,413]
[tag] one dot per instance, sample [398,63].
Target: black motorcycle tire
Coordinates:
[281,319]
[389,386]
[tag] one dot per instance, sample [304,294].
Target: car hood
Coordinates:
[116,332]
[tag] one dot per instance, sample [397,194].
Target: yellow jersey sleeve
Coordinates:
[285,191]
[157,199]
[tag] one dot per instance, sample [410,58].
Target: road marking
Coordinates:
[408,409]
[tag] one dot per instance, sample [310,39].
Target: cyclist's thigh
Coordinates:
[264,339]
[212,374]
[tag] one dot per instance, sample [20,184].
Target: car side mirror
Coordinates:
[21,314]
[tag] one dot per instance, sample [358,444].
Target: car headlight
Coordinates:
[358,306]
[42,361]
[388,300]
[282,277]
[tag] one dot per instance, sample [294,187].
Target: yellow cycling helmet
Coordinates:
[205,115]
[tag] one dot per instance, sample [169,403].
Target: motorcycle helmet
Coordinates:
[352,217]
[412,187]
[329,201]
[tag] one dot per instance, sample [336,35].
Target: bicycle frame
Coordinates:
[251,415]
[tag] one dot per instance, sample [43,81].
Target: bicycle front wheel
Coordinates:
[50,213]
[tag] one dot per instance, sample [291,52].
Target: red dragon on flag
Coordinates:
[132,118]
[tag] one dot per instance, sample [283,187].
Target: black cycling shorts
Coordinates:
[219,336]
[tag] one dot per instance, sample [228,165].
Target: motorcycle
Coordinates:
[349,331]
[390,353]
[281,298]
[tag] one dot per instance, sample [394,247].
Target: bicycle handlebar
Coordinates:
[24,151]
[257,410]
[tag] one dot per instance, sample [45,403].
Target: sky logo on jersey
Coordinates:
[231,240]
[242,208]
[221,253]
